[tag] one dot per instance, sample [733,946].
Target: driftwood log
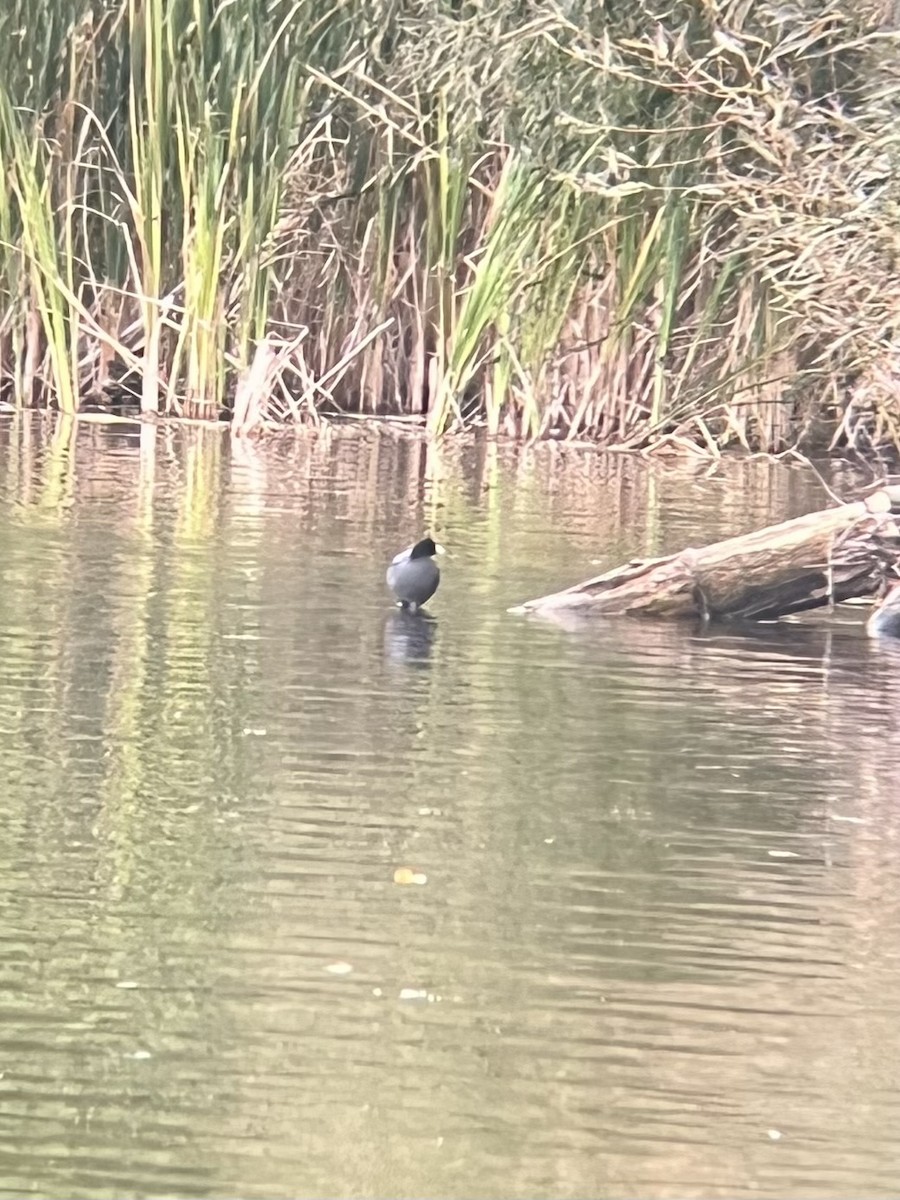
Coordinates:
[823,558]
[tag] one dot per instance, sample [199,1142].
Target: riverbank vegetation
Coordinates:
[613,220]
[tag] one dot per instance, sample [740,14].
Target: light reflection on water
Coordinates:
[656,950]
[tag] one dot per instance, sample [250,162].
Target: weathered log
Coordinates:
[822,558]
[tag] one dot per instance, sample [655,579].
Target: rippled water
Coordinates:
[656,950]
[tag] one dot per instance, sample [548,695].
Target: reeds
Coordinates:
[547,219]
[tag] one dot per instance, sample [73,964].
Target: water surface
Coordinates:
[655,952]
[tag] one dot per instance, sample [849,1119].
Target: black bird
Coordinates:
[412,576]
[885,619]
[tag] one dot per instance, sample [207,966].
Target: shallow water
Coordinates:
[655,952]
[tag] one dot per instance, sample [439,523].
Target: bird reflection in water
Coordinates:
[409,637]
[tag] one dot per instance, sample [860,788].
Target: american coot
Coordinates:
[412,576]
[885,619]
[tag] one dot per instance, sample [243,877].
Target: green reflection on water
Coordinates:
[660,910]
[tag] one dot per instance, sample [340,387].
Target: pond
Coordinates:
[303,896]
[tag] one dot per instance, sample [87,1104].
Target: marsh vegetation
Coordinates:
[593,220]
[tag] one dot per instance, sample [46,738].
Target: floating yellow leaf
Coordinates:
[405,876]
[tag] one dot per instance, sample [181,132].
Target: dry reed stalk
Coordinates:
[661,225]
